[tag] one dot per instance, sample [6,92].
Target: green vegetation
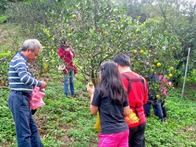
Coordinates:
[156,41]
[68,122]
[10,41]
[3,18]
[98,30]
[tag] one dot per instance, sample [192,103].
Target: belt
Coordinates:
[22,93]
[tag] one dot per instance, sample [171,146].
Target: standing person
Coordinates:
[164,84]
[155,102]
[21,85]
[110,99]
[137,90]
[66,52]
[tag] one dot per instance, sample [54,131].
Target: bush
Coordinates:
[192,76]
[3,18]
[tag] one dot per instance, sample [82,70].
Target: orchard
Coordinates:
[98,31]
[157,42]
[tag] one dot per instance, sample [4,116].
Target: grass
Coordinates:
[3,18]
[66,122]
[62,121]
[180,128]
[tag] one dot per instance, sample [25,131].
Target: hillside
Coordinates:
[66,122]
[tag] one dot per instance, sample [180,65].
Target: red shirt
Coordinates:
[137,96]
[68,56]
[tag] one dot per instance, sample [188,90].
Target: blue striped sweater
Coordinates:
[20,77]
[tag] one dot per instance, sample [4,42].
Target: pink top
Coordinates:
[164,83]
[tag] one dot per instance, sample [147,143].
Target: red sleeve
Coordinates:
[72,50]
[73,53]
[61,53]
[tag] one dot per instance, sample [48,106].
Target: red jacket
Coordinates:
[137,96]
[68,56]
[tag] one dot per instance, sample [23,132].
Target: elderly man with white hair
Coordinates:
[21,84]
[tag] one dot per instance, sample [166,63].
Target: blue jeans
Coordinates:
[69,80]
[156,106]
[26,129]
[163,109]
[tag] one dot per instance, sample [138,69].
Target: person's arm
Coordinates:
[61,53]
[126,108]
[126,111]
[93,109]
[74,55]
[72,50]
[22,70]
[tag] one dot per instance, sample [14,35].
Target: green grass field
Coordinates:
[66,122]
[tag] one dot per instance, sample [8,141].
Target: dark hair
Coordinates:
[122,60]
[63,44]
[63,40]
[111,84]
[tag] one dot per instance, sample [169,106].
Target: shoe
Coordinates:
[73,96]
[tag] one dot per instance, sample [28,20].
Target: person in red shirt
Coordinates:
[66,52]
[137,90]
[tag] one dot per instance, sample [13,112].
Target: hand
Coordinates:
[90,88]
[71,49]
[67,49]
[44,84]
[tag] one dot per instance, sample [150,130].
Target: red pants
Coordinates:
[114,140]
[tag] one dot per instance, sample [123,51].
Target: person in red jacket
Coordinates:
[66,52]
[137,90]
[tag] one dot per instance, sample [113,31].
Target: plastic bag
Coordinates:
[37,98]
[132,118]
[97,125]
[61,67]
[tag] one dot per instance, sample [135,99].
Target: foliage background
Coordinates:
[97,31]
[66,122]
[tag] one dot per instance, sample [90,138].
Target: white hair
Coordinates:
[31,44]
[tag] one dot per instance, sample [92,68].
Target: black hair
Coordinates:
[63,40]
[63,44]
[122,60]
[110,84]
